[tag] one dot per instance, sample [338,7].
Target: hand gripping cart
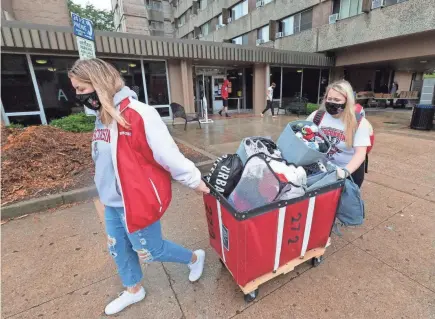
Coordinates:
[258,245]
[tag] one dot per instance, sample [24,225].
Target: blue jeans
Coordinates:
[143,245]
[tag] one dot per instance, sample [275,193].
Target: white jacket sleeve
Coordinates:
[166,152]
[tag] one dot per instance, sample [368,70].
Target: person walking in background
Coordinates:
[269,102]
[225,94]
[394,89]
[135,158]
[368,87]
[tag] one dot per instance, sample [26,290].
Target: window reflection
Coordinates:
[17,92]
[157,85]
[57,94]
[130,70]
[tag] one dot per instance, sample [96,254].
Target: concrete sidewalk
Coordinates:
[56,265]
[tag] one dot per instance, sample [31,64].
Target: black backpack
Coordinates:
[225,173]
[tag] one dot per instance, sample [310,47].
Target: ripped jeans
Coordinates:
[145,245]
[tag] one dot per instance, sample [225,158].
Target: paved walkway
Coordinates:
[55,264]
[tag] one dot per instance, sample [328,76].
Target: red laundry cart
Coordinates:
[260,244]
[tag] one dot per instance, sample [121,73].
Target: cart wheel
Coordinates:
[316,261]
[251,296]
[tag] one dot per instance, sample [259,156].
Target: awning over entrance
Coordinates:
[19,36]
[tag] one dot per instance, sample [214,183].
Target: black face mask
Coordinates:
[334,108]
[90,100]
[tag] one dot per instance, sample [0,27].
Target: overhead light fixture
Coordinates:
[123,71]
[424,61]
[51,69]
[41,61]
[299,71]
[132,65]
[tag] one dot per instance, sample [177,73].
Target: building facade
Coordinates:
[146,17]
[379,41]
[36,58]
[53,12]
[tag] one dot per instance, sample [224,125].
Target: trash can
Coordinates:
[422,117]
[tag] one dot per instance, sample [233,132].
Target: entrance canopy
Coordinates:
[16,35]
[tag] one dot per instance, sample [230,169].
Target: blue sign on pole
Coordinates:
[82,27]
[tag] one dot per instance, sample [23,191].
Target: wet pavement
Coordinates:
[56,265]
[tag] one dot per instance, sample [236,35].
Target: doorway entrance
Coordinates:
[208,82]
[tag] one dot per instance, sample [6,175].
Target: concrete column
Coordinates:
[174,74]
[260,87]
[336,74]
[181,84]
[187,84]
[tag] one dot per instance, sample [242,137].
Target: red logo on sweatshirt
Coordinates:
[101,135]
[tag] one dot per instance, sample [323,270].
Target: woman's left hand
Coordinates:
[202,188]
[341,173]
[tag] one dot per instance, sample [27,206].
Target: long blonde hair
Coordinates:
[348,115]
[106,81]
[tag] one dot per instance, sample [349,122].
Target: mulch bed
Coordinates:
[43,160]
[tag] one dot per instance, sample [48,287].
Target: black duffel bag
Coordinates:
[225,173]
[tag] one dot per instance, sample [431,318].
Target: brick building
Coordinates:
[147,17]
[53,12]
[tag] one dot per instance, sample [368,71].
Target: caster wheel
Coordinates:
[251,296]
[316,261]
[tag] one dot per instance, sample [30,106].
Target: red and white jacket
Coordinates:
[144,158]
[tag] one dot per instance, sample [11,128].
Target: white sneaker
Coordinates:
[124,300]
[198,266]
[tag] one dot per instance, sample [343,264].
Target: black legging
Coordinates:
[358,175]
[269,105]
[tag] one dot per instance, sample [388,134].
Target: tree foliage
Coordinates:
[102,19]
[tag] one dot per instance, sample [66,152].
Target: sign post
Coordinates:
[84,32]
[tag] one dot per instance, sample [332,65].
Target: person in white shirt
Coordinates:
[269,100]
[349,140]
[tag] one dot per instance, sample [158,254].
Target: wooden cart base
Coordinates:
[251,289]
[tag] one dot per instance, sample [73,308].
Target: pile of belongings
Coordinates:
[309,134]
[262,171]
[265,180]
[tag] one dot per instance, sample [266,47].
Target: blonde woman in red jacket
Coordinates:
[135,158]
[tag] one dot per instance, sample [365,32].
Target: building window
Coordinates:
[242,40]
[291,85]
[275,77]
[202,4]
[156,25]
[296,23]
[182,20]
[239,10]
[391,2]
[350,8]
[57,94]
[205,28]
[263,34]
[154,5]
[17,91]
[306,20]
[157,85]
[220,20]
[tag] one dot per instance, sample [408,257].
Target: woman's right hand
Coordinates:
[202,188]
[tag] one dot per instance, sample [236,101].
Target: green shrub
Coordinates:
[15,125]
[311,107]
[76,123]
